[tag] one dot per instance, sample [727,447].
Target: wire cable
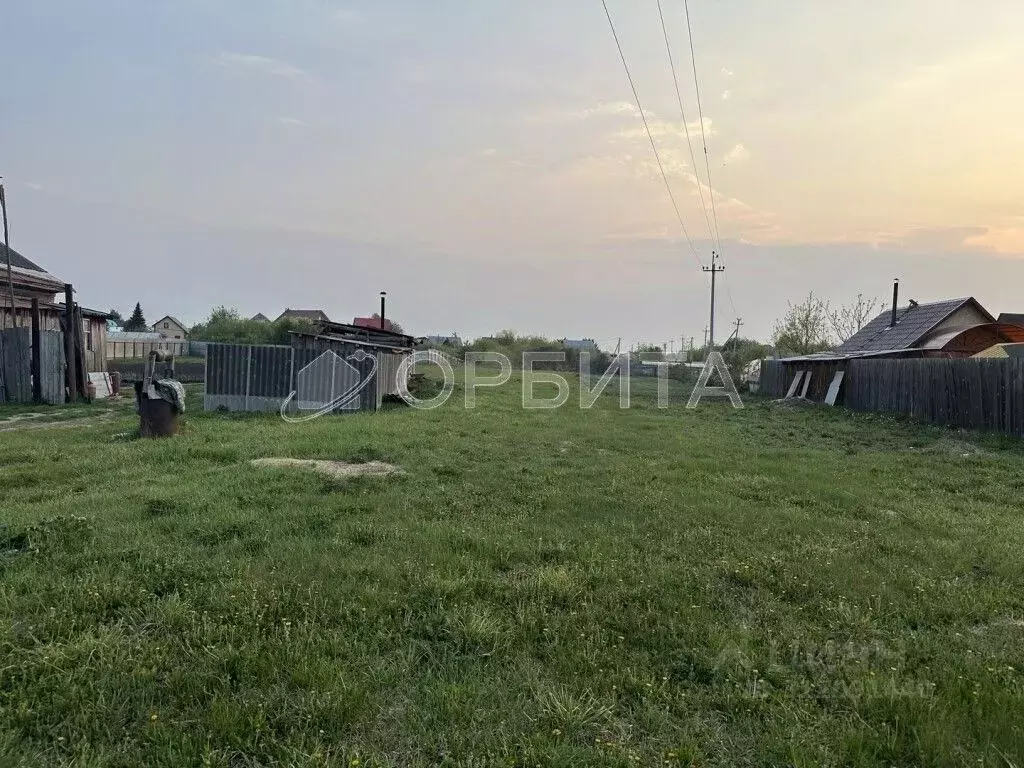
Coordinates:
[700,116]
[650,136]
[682,115]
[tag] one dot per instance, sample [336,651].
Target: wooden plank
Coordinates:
[796,383]
[37,363]
[807,382]
[833,388]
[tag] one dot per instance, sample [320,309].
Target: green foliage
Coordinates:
[116,317]
[642,587]
[512,345]
[228,326]
[804,329]
[137,322]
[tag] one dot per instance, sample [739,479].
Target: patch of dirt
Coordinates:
[27,421]
[331,468]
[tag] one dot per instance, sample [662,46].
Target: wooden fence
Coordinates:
[968,393]
[985,394]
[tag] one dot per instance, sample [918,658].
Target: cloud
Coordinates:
[737,154]
[490,152]
[293,121]
[260,64]
[726,95]
[664,129]
[34,186]
[726,72]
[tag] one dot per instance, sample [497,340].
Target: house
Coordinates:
[952,328]
[170,328]
[1011,318]
[259,317]
[373,322]
[312,315]
[30,282]
[444,341]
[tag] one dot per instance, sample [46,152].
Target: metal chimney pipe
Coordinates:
[895,301]
[383,297]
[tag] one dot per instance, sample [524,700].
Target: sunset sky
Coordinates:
[485,162]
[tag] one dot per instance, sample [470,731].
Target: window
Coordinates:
[167,325]
[88,335]
[177,335]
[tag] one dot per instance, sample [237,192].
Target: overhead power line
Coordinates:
[700,116]
[650,136]
[682,116]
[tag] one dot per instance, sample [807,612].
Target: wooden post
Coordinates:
[37,354]
[68,326]
[81,375]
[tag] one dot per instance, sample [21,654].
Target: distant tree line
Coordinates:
[226,325]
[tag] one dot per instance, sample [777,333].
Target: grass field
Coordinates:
[558,588]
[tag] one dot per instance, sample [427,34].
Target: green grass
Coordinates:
[613,588]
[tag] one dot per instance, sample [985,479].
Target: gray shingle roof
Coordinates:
[19,261]
[912,324]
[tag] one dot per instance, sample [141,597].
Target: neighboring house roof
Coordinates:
[259,317]
[913,323]
[440,339]
[1003,350]
[313,315]
[372,322]
[173,319]
[1012,318]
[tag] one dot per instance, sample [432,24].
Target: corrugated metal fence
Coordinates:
[16,361]
[242,377]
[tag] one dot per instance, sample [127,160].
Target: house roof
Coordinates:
[173,319]
[1012,318]
[913,323]
[260,317]
[373,322]
[19,261]
[313,315]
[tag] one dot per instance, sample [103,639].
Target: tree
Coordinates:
[651,353]
[116,317]
[847,319]
[804,329]
[137,322]
[225,325]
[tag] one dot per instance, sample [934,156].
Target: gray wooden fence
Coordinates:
[16,364]
[971,393]
[986,394]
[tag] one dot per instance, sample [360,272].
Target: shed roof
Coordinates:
[913,323]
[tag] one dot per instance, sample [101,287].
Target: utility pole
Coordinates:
[736,333]
[714,269]
[7,255]
[705,338]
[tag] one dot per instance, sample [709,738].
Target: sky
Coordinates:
[486,162]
